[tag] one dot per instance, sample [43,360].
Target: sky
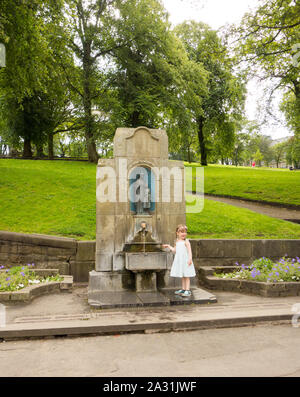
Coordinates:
[217,13]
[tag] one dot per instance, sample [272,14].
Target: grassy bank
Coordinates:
[265,184]
[58,198]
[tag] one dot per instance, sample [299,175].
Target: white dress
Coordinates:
[180,267]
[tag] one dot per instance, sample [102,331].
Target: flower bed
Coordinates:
[19,277]
[21,284]
[265,270]
[263,277]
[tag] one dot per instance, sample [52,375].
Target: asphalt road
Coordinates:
[258,351]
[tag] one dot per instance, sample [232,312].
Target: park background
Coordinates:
[76,70]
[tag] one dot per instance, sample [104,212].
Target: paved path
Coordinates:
[265,209]
[70,314]
[263,350]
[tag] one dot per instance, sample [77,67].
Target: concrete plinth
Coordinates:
[164,297]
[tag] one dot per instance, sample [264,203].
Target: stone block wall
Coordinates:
[217,252]
[69,256]
[77,258]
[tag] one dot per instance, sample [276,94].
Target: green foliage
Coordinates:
[147,70]
[215,110]
[293,151]
[266,39]
[33,92]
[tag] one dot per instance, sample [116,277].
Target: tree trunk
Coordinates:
[39,150]
[134,119]
[50,146]
[189,155]
[27,152]
[87,105]
[202,142]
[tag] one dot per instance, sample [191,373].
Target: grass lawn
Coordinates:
[48,197]
[274,185]
[220,220]
[58,198]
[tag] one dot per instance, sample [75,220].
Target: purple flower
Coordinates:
[243,266]
[8,278]
[8,284]
[277,274]
[23,274]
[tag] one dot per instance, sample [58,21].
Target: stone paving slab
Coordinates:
[113,299]
[104,322]
[153,298]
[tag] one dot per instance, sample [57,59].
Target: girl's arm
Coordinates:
[189,250]
[173,249]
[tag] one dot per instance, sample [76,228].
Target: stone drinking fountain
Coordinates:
[140,201]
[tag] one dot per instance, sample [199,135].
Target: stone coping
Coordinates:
[26,294]
[253,287]
[38,239]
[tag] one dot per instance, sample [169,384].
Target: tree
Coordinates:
[293,151]
[32,88]
[148,72]
[264,144]
[88,37]
[258,157]
[291,109]
[267,40]
[279,151]
[223,102]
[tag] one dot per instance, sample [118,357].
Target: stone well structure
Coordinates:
[140,201]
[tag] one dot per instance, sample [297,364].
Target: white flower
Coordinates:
[21,285]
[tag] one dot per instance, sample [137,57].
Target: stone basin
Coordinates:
[143,261]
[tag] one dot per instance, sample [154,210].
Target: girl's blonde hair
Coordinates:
[179,227]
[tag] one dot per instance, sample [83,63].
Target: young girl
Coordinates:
[183,263]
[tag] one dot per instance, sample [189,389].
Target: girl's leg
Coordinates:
[183,283]
[187,283]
